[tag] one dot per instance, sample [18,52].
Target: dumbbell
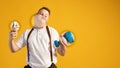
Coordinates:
[68,36]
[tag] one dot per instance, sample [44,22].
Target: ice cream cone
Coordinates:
[15,26]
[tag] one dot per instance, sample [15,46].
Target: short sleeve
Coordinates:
[21,42]
[55,36]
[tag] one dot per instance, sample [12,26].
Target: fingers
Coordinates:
[62,34]
[13,34]
[63,41]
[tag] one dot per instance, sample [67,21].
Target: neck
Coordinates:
[38,27]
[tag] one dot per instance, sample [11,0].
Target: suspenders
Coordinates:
[48,31]
[28,43]
[49,39]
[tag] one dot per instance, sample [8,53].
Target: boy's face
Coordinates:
[44,15]
[41,18]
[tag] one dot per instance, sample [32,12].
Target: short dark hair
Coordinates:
[45,9]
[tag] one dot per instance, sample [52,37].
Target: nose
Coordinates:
[43,16]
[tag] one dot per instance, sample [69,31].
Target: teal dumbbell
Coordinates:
[68,36]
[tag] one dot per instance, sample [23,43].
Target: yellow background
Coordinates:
[95,23]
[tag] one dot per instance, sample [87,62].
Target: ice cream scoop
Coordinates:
[15,26]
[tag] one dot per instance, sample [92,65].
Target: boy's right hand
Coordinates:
[12,35]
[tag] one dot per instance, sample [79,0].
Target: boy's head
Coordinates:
[42,17]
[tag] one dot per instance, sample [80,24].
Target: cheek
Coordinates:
[39,17]
[46,19]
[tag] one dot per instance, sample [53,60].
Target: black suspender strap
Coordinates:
[48,31]
[28,43]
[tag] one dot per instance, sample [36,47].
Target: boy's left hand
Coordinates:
[63,41]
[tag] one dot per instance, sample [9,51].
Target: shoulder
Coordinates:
[54,33]
[27,31]
[53,30]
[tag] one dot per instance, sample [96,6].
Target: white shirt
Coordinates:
[39,47]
